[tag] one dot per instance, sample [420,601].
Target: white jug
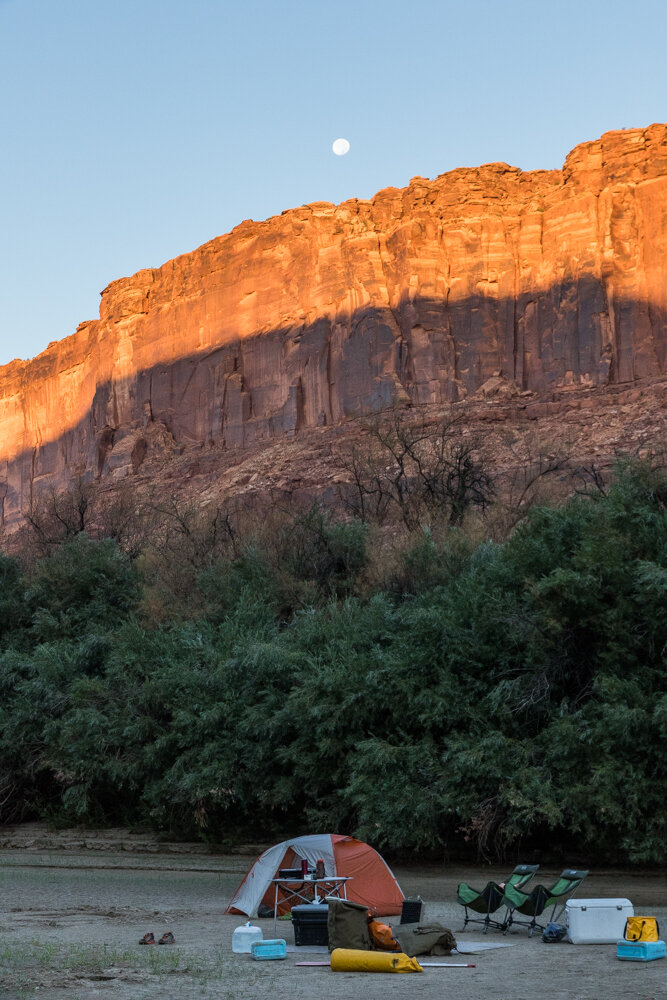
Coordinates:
[243,937]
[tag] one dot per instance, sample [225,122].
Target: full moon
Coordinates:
[341,147]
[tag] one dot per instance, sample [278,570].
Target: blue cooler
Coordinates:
[268,950]
[640,951]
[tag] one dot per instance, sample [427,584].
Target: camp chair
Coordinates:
[491,897]
[535,903]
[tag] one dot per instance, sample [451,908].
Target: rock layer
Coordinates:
[548,279]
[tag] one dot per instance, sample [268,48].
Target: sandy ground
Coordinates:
[75,906]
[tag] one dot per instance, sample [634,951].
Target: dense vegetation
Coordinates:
[485,696]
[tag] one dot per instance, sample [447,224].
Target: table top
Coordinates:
[313,879]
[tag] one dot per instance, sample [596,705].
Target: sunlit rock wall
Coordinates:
[550,278]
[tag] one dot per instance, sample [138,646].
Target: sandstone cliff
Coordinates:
[550,279]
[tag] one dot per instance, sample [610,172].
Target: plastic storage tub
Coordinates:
[412,911]
[267,950]
[597,921]
[640,951]
[310,923]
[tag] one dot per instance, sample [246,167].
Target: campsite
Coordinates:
[333,500]
[76,904]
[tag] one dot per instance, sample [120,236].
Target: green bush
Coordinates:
[82,585]
[491,699]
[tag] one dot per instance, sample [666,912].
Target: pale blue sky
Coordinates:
[135,130]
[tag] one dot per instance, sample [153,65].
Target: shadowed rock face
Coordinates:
[548,279]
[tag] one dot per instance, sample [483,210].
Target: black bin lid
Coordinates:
[311,912]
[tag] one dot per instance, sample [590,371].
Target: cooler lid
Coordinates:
[312,911]
[589,904]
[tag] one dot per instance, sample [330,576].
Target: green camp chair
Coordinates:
[534,904]
[491,897]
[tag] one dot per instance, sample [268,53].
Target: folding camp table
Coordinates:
[306,890]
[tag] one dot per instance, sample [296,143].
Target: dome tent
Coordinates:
[372,881]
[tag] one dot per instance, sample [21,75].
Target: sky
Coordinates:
[135,130]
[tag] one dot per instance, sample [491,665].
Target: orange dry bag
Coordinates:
[383,936]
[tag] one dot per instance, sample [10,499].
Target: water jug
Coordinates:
[243,937]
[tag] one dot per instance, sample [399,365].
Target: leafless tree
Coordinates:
[539,463]
[125,516]
[199,535]
[55,516]
[416,469]
[591,479]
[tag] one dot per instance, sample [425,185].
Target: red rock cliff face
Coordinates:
[551,278]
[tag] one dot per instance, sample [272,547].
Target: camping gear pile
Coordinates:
[363,888]
[587,921]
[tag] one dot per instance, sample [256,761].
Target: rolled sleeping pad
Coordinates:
[355,960]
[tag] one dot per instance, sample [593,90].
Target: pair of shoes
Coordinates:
[149,938]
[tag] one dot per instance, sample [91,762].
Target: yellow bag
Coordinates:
[354,960]
[641,929]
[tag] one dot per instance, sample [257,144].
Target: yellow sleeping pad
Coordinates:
[354,960]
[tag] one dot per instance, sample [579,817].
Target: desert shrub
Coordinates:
[33,688]
[315,556]
[82,585]
[486,699]
[427,559]
[245,587]
[562,636]
[14,613]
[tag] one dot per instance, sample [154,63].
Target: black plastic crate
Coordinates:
[291,873]
[310,923]
[412,911]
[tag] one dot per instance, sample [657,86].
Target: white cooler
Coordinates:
[597,921]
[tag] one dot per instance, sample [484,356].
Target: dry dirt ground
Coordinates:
[74,906]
